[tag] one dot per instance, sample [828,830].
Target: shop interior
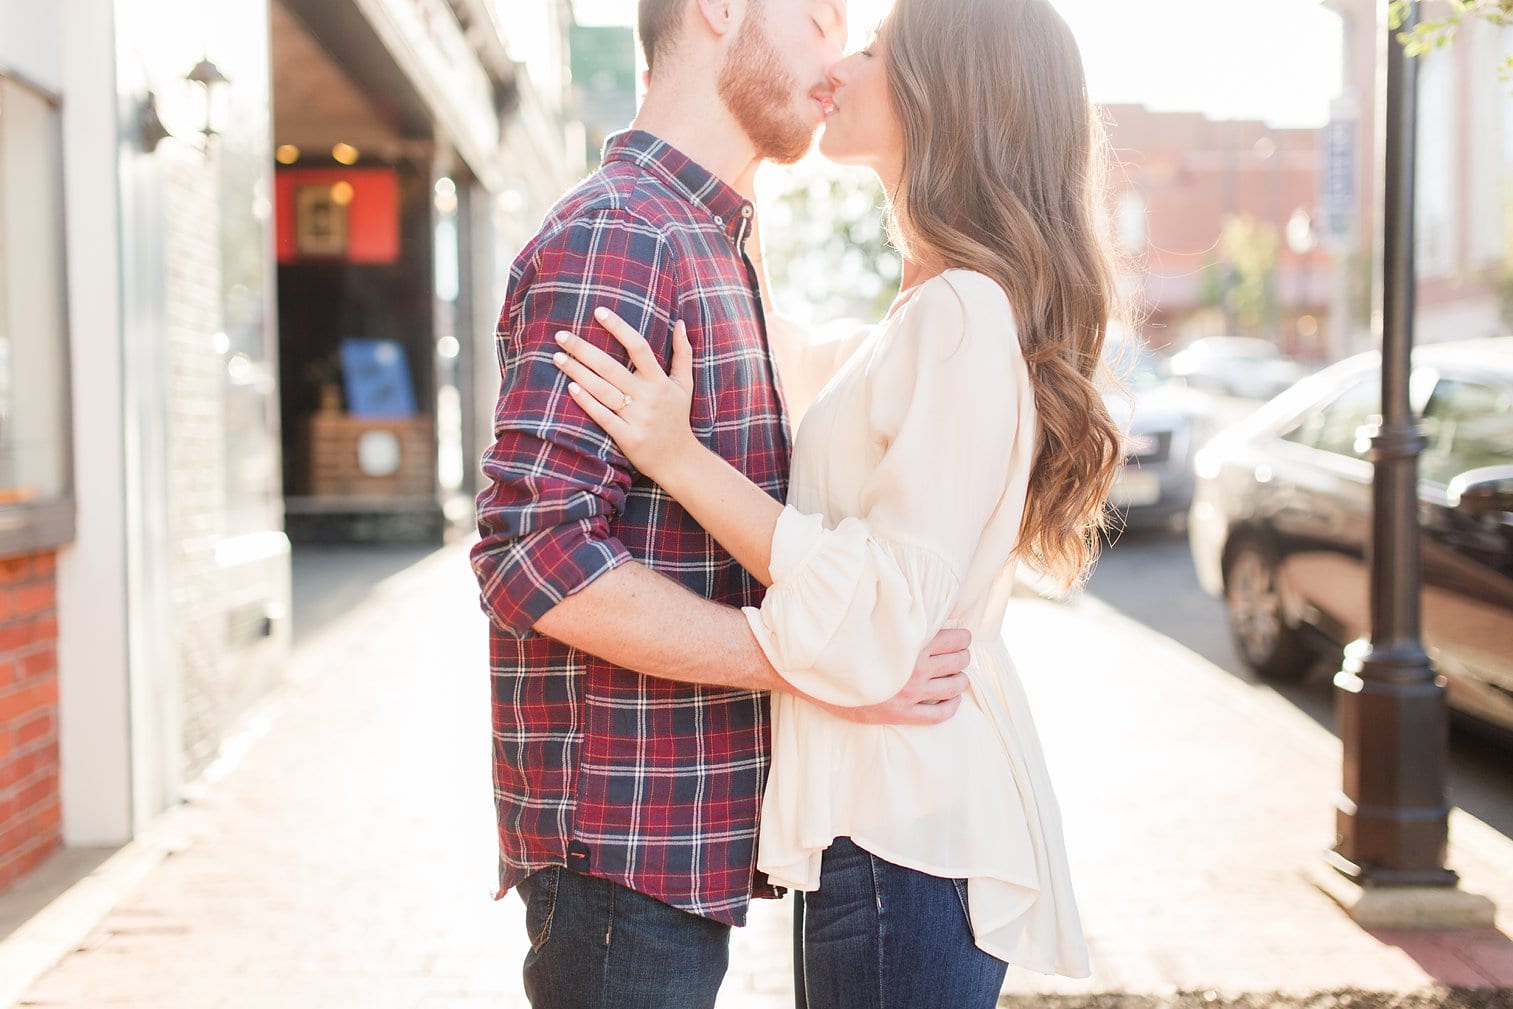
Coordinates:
[355,204]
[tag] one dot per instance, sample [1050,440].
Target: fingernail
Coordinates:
[601,313]
[559,358]
[572,387]
[562,338]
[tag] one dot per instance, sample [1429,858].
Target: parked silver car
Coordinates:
[1241,366]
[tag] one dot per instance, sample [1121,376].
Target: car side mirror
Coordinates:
[1487,491]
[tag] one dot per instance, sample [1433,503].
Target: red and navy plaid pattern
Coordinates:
[653,784]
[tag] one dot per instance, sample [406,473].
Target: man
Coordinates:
[629,697]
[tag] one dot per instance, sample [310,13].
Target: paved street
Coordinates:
[1149,577]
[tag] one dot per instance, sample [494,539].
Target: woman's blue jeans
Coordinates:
[878,936]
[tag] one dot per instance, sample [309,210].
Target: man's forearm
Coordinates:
[640,620]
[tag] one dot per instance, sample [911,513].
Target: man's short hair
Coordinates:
[660,21]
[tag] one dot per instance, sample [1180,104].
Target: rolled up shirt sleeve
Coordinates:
[852,606]
[555,479]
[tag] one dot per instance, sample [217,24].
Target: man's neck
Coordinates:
[696,122]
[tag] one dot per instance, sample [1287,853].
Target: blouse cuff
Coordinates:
[846,615]
[795,537]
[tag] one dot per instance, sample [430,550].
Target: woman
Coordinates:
[965,432]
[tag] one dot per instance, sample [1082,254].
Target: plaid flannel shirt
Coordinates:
[650,783]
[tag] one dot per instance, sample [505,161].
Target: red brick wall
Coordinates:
[30,813]
[1191,172]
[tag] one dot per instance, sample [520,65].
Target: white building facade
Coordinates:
[149,291]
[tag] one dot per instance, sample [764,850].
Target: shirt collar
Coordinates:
[730,210]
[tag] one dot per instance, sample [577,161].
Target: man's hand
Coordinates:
[932,694]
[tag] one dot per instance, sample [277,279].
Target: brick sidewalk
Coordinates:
[347,861]
[1193,802]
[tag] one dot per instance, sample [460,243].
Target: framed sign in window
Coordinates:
[351,214]
[36,507]
[320,221]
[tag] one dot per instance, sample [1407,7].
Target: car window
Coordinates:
[1131,364]
[1467,425]
[1332,428]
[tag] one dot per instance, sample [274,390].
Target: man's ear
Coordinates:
[719,16]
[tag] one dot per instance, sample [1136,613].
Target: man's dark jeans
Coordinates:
[597,945]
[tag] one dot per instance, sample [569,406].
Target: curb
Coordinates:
[52,933]
[1422,998]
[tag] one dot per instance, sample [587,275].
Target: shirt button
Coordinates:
[719,220]
[745,211]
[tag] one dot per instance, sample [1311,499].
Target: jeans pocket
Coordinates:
[961,897]
[540,891]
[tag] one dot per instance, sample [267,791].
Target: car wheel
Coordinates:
[1266,642]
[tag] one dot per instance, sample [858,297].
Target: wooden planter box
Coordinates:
[333,457]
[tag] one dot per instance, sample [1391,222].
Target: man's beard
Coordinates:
[758,92]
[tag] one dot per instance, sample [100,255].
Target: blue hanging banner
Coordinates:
[376,378]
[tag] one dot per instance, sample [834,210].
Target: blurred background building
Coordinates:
[251,257]
[1465,179]
[1236,227]
[1215,221]
[604,64]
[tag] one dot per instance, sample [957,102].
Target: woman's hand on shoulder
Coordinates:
[645,411]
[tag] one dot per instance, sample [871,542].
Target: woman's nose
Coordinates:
[836,73]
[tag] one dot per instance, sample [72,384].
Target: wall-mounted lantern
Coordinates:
[151,130]
[209,77]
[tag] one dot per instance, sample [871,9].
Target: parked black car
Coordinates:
[1163,424]
[1281,520]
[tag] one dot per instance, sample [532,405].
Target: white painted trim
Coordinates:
[30,40]
[94,719]
[457,94]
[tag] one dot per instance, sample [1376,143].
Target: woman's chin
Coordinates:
[833,147]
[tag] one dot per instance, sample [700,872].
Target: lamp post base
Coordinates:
[1391,818]
[1400,906]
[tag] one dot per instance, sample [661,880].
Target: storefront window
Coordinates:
[246,203]
[34,446]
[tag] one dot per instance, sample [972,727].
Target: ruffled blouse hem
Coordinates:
[995,932]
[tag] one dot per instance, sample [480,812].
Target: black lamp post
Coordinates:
[1392,820]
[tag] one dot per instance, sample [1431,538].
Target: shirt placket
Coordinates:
[754,283]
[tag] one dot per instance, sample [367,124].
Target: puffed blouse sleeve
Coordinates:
[851,607]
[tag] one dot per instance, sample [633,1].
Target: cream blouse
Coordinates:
[909,480]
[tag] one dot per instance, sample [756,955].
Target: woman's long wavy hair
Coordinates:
[1004,160]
